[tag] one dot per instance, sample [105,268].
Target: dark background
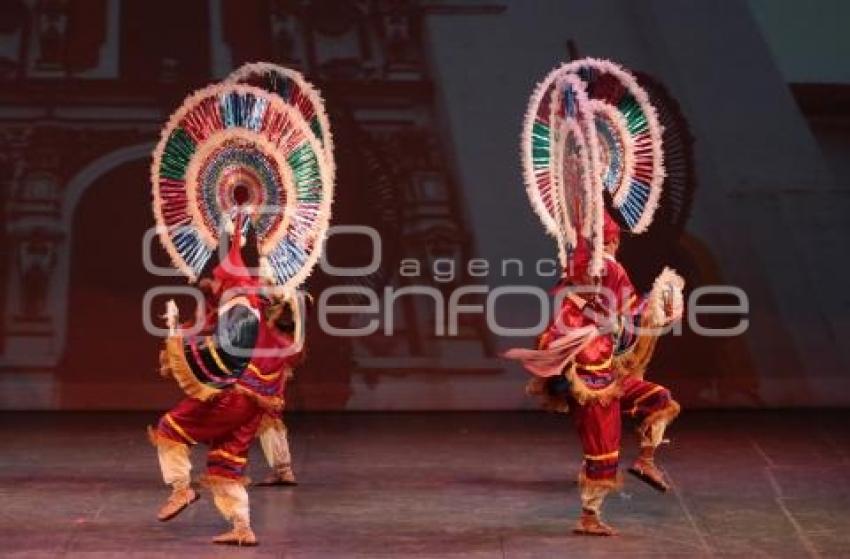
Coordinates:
[426,101]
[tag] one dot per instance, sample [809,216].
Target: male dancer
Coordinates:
[233,379]
[576,360]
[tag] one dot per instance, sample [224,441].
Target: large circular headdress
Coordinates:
[590,134]
[229,146]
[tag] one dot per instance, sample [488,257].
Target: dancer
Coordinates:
[591,136]
[263,155]
[247,358]
[603,379]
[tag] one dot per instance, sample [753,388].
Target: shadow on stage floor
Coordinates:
[499,485]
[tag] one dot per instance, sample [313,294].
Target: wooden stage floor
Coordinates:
[501,485]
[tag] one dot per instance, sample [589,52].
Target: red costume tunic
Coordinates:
[599,394]
[273,357]
[228,422]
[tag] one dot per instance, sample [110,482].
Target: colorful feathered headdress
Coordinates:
[590,135]
[261,139]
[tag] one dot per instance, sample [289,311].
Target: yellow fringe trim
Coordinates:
[269,377]
[580,391]
[655,390]
[181,372]
[536,386]
[616,483]
[607,456]
[584,394]
[636,361]
[216,357]
[179,429]
[273,403]
[270,422]
[667,414]
[228,456]
[158,440]
[210,480]
[598,366]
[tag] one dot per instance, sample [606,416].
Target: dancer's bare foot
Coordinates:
[177,501]
[645,469]
[241,536]
[589,524]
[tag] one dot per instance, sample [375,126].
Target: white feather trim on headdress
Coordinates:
[303,228]
[642,155]
[266,271]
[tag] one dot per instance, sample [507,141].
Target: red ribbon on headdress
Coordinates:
[232,272]
[610,229]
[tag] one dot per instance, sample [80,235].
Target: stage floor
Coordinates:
[759,484]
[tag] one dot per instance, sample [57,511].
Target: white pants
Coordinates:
[272,435]
[231,500]
[230,497]
[174,464]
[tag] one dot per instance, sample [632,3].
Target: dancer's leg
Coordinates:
[654,407]
[599,430]
[273,439]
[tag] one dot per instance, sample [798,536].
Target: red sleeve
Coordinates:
[572,315]
[568,316]
[283,342]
